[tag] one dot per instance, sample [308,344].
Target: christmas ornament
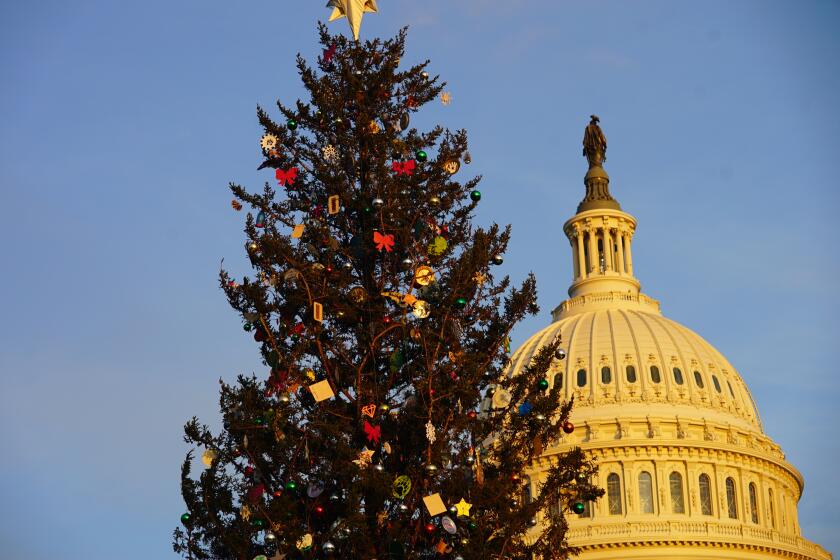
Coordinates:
[449,525]
[438,246]
[475,196]
[383,242]
[434,504]
[445,98]
[260,222]
[369,410]
[208,457]
[497,259]
[543,384]
[479,278]
[430,432]
[578,507]
[460,302]
[377,203]
[560,354]
[421,309]
[401,486]
[452,166]
[420,155]
[297,231]
[353,10]
[568,427]
[357,295]
[236,205]
[501,398]
[321,391]
[185,518]
[329,53]
[403,167]
[286,176]
[373,127]
[333,204]
[372,432]
[463,508]
[268,142]
[404,121]
[525,408]
[435,200]
[291,124]
[329,153]
[365,456]
[424,275]
[315,489]
[305,542]
[467,158]
[318,311]
[328,547]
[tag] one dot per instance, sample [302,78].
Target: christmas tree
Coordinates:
[384,425]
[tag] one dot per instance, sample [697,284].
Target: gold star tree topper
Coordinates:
[353,10]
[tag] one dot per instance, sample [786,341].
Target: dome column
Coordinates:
[606,239]
[580,257]
[593,249]
[627,238]
[619,242]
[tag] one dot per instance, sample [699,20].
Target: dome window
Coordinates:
[677,497]
[753,503]
[614,494]
[678,377]
[654,374]
[698,379]
[731,392]
[606,375]
[631,374]
[581,378]
[771,507]
[646,492]
[705,494]
[558,379]
[716,383]
[731,502]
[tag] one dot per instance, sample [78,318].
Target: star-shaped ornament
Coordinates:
[365,456]
[353,10]
[480,278]
[463,508]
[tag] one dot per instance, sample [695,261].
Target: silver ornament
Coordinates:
[377,203]
[328,547]
[560,354]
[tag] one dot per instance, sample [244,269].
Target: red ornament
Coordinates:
[256,492]
[430,528]
[259,335]
[319,510]
[277,493]
[568,427]
[386,319]
[249,470]
[472,415]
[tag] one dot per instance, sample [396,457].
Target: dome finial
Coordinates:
[597,181]
[594,143]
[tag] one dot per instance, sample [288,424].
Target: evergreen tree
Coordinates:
[385,426]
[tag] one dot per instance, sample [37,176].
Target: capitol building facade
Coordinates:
[688,470]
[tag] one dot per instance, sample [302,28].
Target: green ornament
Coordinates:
[472,525]
[291,485]
[461,302]
[259,421]
[258,523]
[247,326]
[186,518]
[421,155]
[475,195]
[543,384]
[292,124]
[578,507]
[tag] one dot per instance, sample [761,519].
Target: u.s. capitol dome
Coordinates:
[683,457]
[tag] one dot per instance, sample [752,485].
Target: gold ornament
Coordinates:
[479,278]
[373,127]
[463,508]
[330,153]
[245,512]
[445,98]
[365,456]
[424,275]
[305,542]
[353,10]
[268,142]
[236,205]
[358,295]
[208,457]
[438,246]
[452,166]
[421,309]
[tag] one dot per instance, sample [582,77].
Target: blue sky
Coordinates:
[124,121]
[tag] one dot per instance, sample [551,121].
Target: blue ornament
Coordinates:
[525,408]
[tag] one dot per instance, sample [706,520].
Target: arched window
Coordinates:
[771,507]
[716,383]
[677,497]
[581,377]
[614,494]
[678,378]
[753,503]
[698,379]
[631,374]
[558,379]
[705,494]
[654,374]
[646,492]
[731,501]
[731,392]
[606,375]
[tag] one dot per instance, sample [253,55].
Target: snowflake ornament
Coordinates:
[268,142]
[330,153]
[430,432]
[446,98]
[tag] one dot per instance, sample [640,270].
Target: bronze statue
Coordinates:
[594,143]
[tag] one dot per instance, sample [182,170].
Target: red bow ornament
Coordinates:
[372,432]
[403,167]
[329,53]
[286,177]
[383,241]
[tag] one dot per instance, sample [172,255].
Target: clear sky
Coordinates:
[122,123]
